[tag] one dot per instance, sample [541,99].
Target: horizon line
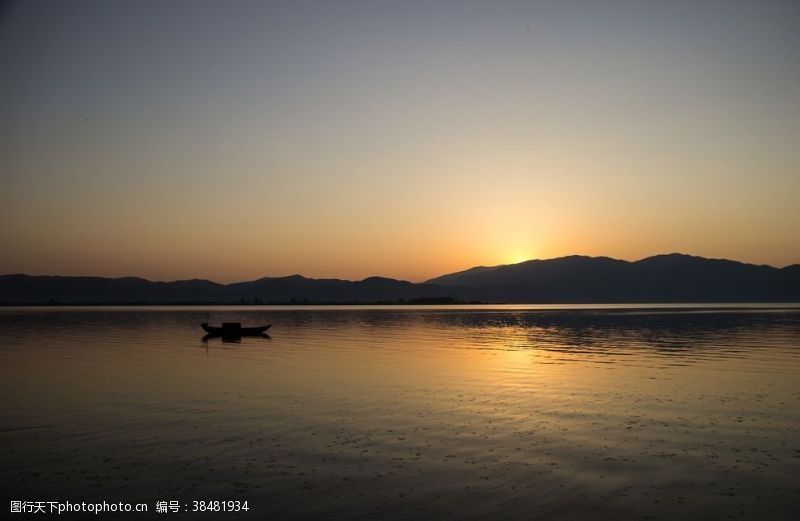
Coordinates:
[392,278]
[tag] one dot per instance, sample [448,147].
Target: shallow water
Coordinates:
[408,412]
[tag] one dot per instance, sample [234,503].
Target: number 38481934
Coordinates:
[220,506]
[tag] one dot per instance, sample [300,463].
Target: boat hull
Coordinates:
[235,331]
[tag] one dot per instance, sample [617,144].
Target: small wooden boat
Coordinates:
[234,329]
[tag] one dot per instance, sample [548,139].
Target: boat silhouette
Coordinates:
[234,329]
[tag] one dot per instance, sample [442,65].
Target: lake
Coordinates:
[460,412]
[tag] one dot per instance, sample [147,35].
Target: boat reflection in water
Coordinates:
[226,339]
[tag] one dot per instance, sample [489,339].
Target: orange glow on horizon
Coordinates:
[281,142]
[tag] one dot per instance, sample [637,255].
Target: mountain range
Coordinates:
[573,279]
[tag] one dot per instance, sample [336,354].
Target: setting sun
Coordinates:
[318,159]
[517,257]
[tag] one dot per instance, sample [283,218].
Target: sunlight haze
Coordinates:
[236,140]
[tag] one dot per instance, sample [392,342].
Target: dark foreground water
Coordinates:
[401,413]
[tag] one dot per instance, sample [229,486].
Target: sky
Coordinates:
[233,140]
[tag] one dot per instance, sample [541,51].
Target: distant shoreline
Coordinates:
[662,305]
[432,301]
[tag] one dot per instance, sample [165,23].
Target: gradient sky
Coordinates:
[234,140]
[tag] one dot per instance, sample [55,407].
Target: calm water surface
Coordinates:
[398,413]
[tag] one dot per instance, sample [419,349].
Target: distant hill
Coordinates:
[573,279]
[663,278]
[25,289]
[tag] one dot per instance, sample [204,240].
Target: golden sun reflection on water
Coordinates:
[435,411]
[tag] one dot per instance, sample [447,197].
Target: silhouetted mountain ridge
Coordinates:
[670,277]
[27,289]
[673,277]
